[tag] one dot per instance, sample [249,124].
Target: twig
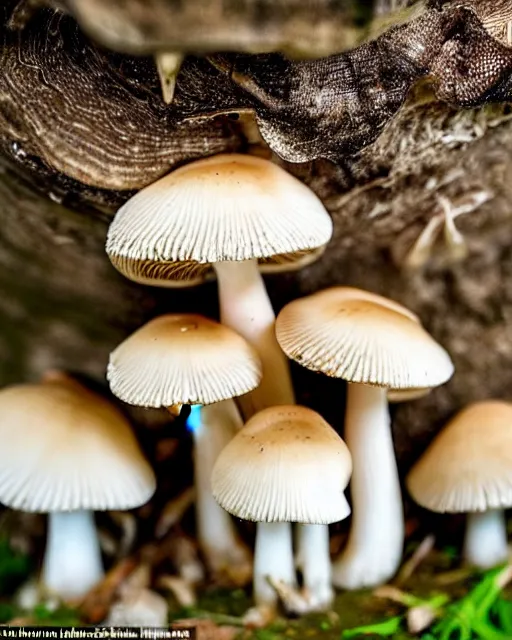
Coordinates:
[421,553]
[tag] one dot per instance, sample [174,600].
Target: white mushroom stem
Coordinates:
[374,548]
[485,542]
[273,558]
[216,532]
[246,308]
[72,563]
[315,563]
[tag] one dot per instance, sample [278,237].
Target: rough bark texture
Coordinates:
[63,305]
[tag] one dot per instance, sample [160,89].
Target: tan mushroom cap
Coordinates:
[468,466]
[65,448]
[178,275]
[361,337]
[227,207]
[407,395]
[286,465]
[182,359]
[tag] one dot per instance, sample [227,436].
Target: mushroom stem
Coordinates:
[72,563]
[246,308]
[273,558]
[315,563]
[216,532]
[485,541]
[374,548]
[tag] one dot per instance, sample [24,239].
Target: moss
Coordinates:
[60,617]
[351,609]
[14,569]
[474,608]
[7,612]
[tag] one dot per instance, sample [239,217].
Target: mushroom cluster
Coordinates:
[374,344]
[235,217]
[258,456]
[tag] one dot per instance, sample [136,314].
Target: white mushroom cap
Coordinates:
[286,465]
[227,207]
[65,448]
[360,337]
[468,466]
[182,359]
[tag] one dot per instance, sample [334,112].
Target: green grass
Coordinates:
[60,617]
[483,614]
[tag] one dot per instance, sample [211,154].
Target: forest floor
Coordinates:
[432,598]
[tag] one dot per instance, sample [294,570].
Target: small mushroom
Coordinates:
[82,457]
[168,66]
[189,359]
[375,344]
[286,465]
[468,469]
[231,213]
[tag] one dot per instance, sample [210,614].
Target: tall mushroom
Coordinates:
[374,344]
[468,469]
[189,359]
[230,213]
[286,465]
[67,452]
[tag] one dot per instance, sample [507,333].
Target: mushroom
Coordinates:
[168,65]
[286,465]
[375,344]
[82,456]
[227,212]
[468,469]
[189,359]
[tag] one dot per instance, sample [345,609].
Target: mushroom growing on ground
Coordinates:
[375,344]
[189,359]
[82,457]
[229,213]
[286,465]
[468,469]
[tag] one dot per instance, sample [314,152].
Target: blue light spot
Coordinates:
[193,423]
